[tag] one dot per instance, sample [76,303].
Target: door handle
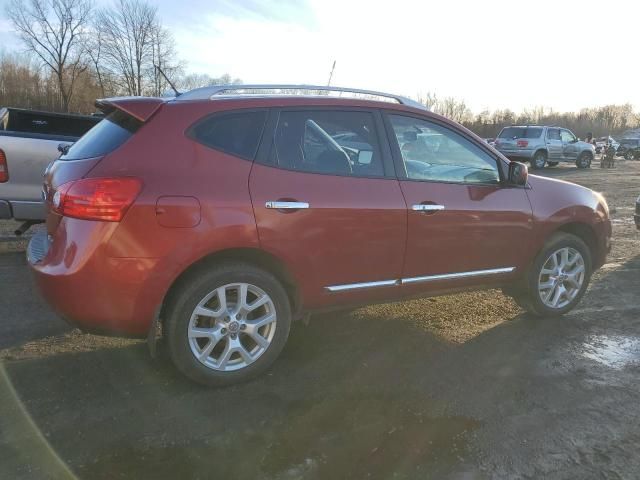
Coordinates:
[280,205]
[421,207]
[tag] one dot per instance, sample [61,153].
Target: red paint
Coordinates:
[196,201]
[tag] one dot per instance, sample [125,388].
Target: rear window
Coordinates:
[236,133]
[43,123]
[521,132]
[115,129]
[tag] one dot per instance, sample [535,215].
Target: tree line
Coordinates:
[77,53]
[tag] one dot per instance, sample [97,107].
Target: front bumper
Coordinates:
[89,289]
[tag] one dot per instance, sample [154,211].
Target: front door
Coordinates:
[569,145]
[464,224]
[327,203]
[554,145]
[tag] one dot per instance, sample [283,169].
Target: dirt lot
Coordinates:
[454,387]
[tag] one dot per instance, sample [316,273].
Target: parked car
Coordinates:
[629,148]
[29,141]
[222,217]
[542,145]
[602,142]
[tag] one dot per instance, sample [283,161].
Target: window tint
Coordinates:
[332,142]
[567,136]
[48,123]
[434,153]
[520,132]
[115,129]
[234,133]
[553,134]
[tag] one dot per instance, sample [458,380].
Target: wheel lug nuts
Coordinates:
[243,327]
[238,316]
[233,335]
[223,331]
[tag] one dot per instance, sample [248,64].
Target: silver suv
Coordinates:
[542,146]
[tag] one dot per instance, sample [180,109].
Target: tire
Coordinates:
[628,155]
[189,334]
[539,160]
[552,164]
[584,160]
[530,295]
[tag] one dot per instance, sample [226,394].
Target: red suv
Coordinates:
[220,216]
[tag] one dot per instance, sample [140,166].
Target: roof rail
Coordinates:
[206,93]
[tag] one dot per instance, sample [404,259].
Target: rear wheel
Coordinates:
[557,278]
[539,160]
[228,324]
[584,160]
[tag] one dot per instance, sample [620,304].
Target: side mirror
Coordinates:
[518,173]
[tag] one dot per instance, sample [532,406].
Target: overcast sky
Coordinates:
[492,53]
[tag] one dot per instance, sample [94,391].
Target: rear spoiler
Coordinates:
[141,108]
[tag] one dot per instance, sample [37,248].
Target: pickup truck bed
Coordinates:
[29,142]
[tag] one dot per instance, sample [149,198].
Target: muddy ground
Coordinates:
[454,387]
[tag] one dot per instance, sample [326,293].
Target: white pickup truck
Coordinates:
[29,141]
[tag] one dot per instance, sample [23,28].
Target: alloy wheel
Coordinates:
[561,278]
[232,326]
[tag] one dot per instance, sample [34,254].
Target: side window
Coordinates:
[433,153]
[330,142]
[236,133]
[553,134]
[567,136]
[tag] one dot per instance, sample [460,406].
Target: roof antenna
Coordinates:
[331,73]
[173,87]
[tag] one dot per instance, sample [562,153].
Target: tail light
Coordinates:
[522,143]
[105,199]
[4,169]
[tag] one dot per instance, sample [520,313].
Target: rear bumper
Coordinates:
[22,210]
[89,289]
[517,153]
[5,210]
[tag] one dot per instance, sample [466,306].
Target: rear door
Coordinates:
[554,145]
[327,202]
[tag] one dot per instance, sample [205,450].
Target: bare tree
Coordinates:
[132,42]
[53,30]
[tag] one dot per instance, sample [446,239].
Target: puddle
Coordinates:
[613,352]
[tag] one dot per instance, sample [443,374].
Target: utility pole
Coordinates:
[331,73]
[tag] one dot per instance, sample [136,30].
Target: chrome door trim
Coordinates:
[286,205]
[427,208]
[358,286]
[456,276]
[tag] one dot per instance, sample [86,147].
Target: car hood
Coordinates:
[560,194]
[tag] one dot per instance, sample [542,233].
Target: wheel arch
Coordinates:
[254,256]
[584,232]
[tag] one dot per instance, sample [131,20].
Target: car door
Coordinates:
[327,202]
[569,145]
[465,225]
[554,145]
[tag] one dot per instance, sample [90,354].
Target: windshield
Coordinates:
[115,129]
[521,132]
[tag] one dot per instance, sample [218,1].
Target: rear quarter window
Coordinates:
[115,129]
[235,133]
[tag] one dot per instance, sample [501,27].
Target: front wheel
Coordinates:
[539,160]
[557,278]
[584,160]
[227,324]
